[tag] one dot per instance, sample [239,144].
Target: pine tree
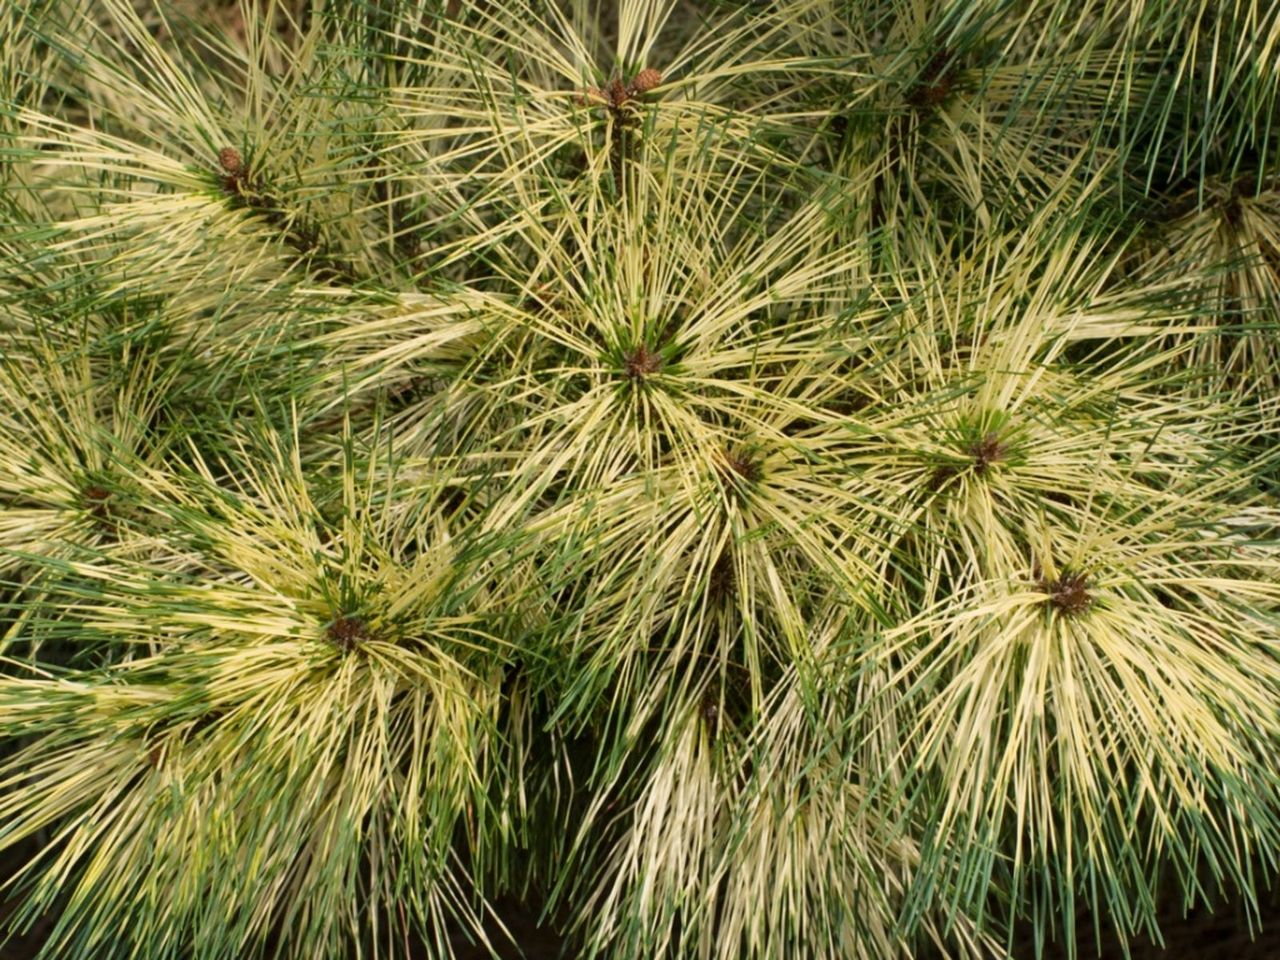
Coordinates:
[756,480]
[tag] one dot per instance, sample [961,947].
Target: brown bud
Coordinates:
[642,362]
[541,297]
[987,451]
[591,97]
[645,81]
[1069,593]
[618,93]
[348,632]
[742,463]
[96,500]
[935,82]
[231,161]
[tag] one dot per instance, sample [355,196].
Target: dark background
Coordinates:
[1203,935]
